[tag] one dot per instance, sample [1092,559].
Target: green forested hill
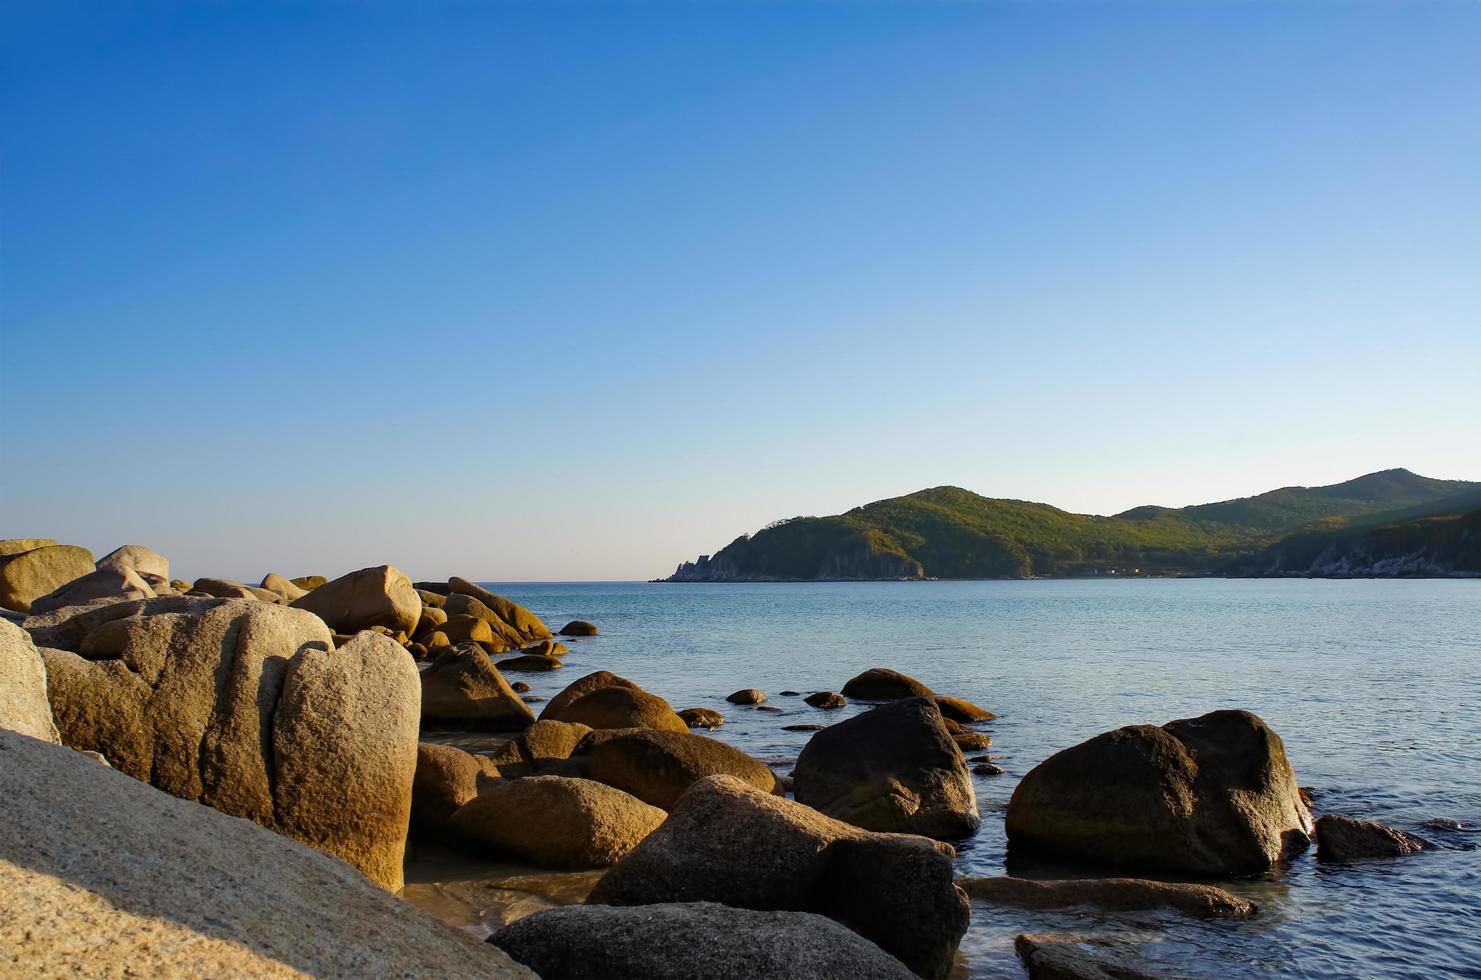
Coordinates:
[948,532]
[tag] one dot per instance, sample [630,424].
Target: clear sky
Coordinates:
[527,291]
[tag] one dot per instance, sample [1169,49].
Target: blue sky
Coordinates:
[560,291]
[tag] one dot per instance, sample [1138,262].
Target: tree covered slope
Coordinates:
[948,532]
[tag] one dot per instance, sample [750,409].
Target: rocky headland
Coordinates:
[219,778]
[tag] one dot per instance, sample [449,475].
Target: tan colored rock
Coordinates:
[658,766]
[579,627]
[309,582]
[14,546]
[1111,894]
[283,587]
[432,617]
[826,700]
[23,704]
[702,718]
[462,689]
[506,637]
[557,822]
[883,684]
[380,596]
[223,588]
[578,689]
[180,585]
[106,876]
[962,712]
[26,576]
[1340,838]
[747,696]
[546,648]
[344,739]
[1080,958]
[152,566]
[622,707]
[243,707]
[433,599]
[529,664]
[446,778]
[108,584]
[726,841]
[467,629]
[525,622]
[548,741]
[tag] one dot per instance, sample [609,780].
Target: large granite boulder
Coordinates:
[1340,838]
[14,546]
[282,587]
[883,684]
[463,690]
[380,596]
[107,876]
[892,768]
[66,628]
[557,822]
[525,623]
[24,707]
[604,700]
[1210,796]
[26,576]
[685,941]
[502,636]
[726,841]
[446,778]
[152,566]
[658,766]
[104,584]
[246,707]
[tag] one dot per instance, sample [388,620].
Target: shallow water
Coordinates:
[1374,686]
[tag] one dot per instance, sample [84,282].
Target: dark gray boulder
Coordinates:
[1341,838]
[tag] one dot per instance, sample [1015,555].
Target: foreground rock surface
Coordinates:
[726,841]
[893,768]
[556,822]
[1340,838]
[246,707]
[105,875]
[685,941]
[24,706]
[1112,894]
[1210,796]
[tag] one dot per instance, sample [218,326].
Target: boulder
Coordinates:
[658,766]
[462,689]
[684,941]
[546,648]
[702,718]
[576,690]
[525,622]
[987,769]
[549,741]
[579,627]
[380,596]
[505,637]
[557,822]
[283,587]
[446,778]
[223,588]
[309,582]
[151,566]
[1079,958]
[432,617]
[67,628]
[23,704]
[726,841]
[620,707]
[883,684]
[438,641]
[962,712]
[109,584]
[971,741]
[826,700]
[1210,796]
[892,768]
[531,664]
[107,876]
[242,706]
[1110,894]
[345,746]
[14,546]
[432,599]
[28,575]
[1341,838]
[467,629]
[748,696]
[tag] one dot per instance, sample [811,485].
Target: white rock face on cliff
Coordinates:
[107,876]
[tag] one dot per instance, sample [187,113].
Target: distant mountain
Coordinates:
[1446,545]
[948,532]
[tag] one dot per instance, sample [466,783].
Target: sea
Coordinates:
[1373,685]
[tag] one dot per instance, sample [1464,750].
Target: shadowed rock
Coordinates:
[892,768]
[658,766]
[1079,958]
[685,941]
[1112,894]
[1341,838]
[558,822]
[579,627]
[747,696]
[883,684]
[1208,796]
[702,718]
[462,689]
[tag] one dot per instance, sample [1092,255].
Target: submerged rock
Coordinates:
[105,875]
[1210,796]
[747,696]
[892,768]
[1079,958]
[962,712]
[553,821]
[685,941]
[1113,894]
[726,841]
[826,700]
[702,718]
[579,627]
[1341,838]
[531,664]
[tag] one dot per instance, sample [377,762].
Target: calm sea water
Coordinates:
[1374,686]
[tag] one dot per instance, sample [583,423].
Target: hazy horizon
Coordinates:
[549,292]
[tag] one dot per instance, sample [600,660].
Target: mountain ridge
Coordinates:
[951,532]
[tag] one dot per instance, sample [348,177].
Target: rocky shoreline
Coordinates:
[211,777]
